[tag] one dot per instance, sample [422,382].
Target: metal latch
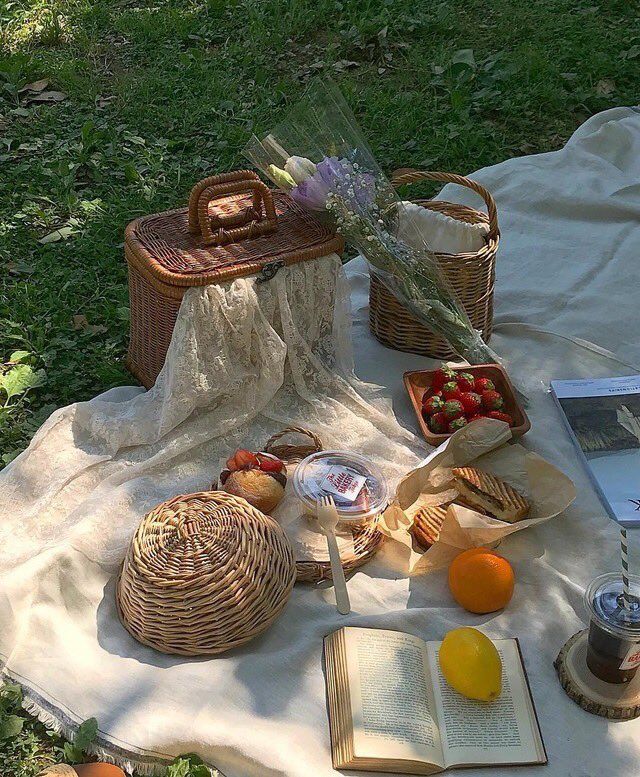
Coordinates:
[269,270]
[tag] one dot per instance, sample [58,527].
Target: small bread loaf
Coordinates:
[490,494]
[264,490]
[427,523]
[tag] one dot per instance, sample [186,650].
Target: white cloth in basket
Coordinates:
[443,234]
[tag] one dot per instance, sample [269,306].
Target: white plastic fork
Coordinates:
[328,519]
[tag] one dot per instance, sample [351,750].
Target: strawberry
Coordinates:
[457,423]
[491,400]
[432,405]
[270,463]
[438,423]
[500,416]
[441,376]
[471,402]
[465,381]
[453,409]
[428,394]
[476,416]
[483,384]
[242,459]
[451,390]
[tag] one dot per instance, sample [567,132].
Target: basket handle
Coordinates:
[290,452]
[247,223]
[405,175]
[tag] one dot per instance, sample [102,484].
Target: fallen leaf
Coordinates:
[80,322]
[605,87]
[35,86]
[59,234]
[102,102]
[46,97]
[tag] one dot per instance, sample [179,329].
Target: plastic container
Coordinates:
[613,651]
[357,486]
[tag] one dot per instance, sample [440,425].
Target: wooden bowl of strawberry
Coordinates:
[447,399]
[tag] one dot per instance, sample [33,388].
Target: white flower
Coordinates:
[299,168]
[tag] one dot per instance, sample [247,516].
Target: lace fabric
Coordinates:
[245,360]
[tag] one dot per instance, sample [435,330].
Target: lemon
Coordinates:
[471,664]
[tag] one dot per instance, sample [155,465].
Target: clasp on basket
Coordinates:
[269,270]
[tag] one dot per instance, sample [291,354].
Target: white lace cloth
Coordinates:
[568,262]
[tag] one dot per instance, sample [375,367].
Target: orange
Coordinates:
[481,581]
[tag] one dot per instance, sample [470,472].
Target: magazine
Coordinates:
[603,418]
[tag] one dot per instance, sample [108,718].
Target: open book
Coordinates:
[390,709]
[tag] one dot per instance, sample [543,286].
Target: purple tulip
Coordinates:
[338,176]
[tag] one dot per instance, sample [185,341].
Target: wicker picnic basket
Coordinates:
[204,573]
[234,226]
[471,275]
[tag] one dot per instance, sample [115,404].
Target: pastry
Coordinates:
[490,494]
[257,477]
[427,523]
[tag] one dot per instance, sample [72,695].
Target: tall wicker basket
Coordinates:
[472,276]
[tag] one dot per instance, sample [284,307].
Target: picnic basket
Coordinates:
[204,573]
[471,275]
[234,226]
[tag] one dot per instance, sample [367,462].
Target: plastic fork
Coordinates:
[328,519]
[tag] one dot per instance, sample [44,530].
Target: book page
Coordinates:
[500,732]
[392,701]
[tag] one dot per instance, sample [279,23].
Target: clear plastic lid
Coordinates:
[356,485]
[604,600]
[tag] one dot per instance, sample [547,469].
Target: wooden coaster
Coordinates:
[609,700]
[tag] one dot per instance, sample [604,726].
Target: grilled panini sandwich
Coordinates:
[490,494]
[427,523]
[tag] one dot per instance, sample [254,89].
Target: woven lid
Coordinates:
[234,226]
[204,573]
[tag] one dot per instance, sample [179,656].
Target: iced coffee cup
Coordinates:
[613,650]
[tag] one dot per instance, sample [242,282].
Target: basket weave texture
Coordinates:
[204,573]
[471,275]
[234,226]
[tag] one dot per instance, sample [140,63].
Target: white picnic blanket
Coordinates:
[570,222]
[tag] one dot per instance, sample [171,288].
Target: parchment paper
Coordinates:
[483,444]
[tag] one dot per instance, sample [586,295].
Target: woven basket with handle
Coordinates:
[234,226]
[204,573]
[471,275]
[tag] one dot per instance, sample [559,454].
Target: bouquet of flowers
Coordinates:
[320,158]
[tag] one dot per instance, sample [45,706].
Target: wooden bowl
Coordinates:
[417,383]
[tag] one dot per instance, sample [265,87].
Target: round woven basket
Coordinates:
[471,275]
[204,573]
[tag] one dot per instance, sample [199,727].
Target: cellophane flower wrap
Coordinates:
[319,156]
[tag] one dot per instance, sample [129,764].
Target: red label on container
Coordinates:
[343,482]
[632,659]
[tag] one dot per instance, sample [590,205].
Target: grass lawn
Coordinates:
[153,96]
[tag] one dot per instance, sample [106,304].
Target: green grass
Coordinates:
[160,94]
